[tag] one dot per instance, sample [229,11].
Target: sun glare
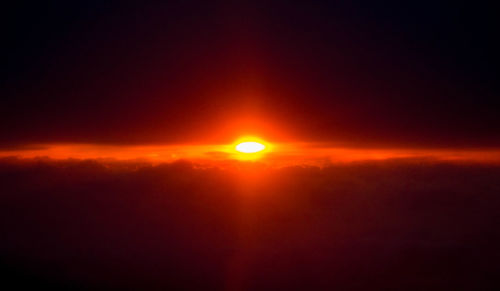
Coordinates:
[250,147]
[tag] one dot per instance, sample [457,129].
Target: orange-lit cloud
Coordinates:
[279,154]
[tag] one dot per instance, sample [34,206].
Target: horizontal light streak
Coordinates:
[282,154]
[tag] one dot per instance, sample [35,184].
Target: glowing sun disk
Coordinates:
[250,147]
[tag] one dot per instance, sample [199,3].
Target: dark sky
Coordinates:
[391,74]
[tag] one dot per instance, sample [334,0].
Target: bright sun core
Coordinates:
[250,147]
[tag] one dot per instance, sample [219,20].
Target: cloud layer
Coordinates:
[393,224]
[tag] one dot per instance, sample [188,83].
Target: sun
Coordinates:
[250,147]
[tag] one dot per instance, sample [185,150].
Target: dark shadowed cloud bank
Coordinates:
[387,225]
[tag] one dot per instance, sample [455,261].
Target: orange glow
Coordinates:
[273,154]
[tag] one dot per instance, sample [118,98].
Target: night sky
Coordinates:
[411,74]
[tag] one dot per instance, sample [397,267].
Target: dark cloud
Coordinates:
[402,224]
